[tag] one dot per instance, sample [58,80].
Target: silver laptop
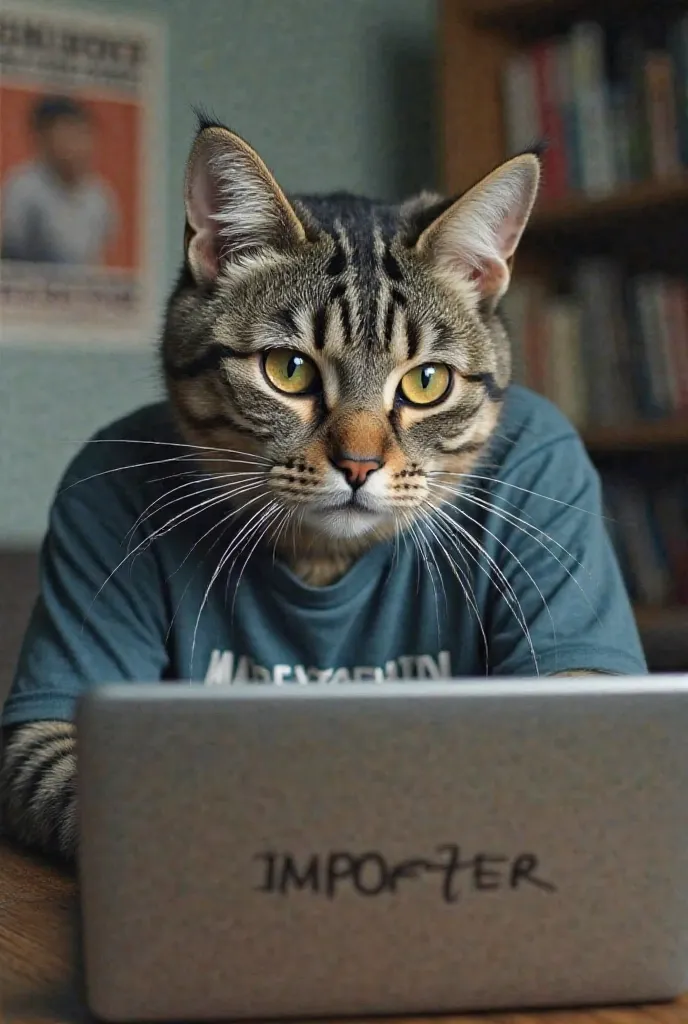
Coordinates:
[399,848]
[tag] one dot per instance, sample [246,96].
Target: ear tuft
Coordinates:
[477,236]
[234,206]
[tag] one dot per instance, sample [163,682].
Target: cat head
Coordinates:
[351,347]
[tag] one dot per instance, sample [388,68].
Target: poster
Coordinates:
[82,168]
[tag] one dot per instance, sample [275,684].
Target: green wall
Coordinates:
[333,93]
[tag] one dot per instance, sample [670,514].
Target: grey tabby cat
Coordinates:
[371,286]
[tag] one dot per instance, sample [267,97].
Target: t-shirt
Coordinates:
[532,588]
[45,221]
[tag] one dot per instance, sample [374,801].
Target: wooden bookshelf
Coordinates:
[639,437]
[477,38]
[651,619]
[633,203]
[541,16]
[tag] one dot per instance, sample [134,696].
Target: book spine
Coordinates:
[521,111]
[678,45]
[592,108]
[676,303]
[569,118]
[630,59]
[640,367]
[544,57]
[565,374]
[654,344]
[661,111]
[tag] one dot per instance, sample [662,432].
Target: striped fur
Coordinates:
[38,786]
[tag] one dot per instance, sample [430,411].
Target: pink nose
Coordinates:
[356,468]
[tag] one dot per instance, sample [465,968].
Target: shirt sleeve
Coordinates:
[100,616]
[558,601]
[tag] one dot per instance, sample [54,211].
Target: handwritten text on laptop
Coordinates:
[371,874]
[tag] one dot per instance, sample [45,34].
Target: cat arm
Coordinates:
[38,803]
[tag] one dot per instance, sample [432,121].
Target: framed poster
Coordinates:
[82,169]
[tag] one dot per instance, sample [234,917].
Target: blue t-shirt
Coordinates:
[533,589]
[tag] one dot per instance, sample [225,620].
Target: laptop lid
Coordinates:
[320,851]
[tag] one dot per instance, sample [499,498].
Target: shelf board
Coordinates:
[581,213]
[661,619]
[545,15]
[638,437]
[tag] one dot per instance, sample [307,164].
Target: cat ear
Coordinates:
[477,236]
[234,206]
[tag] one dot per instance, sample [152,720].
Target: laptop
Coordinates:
[270,852]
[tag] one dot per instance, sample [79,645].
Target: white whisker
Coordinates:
[214,482]
[461,574]
[220,566]
[508,593]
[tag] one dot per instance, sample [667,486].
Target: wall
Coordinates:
[333,93]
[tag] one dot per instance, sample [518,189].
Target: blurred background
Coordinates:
[383,97]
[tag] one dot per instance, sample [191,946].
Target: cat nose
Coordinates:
[356,468]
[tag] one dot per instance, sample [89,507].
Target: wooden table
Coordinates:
[40,972]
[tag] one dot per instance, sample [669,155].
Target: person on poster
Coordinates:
[56,209]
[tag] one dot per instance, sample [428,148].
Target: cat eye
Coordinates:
[426,384]
[291,372]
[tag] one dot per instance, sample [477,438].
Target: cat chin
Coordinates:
[345,524]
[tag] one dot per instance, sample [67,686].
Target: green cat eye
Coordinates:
[426,384]
[290,372]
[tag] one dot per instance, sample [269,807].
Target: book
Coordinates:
[592,108]
[660,91]
[678,47]
[547,71]
[523,129]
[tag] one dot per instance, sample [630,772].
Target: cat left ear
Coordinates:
[476,237]
[234,206]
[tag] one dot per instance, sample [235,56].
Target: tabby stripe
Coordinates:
[68,828]
[210,359]
[286,321]
[46,798]
[390,317]
[412,337]
[337,261]
[494,392]
[23,745]
[22,772]
[67,797]
[345,310]
[398,298]
[391,266]
[41,780]
[319,327]
[217,422]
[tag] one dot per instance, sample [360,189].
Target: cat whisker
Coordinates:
[189,513]
[508,593]
[214,482]
[266,522]
[521,524]
[142,465]
[221,564]
[516,487]
[431,551]
[225,521]
[178,444]
[461,574]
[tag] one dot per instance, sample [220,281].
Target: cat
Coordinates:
[352,292]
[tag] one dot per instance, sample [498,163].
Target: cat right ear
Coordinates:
[234,207]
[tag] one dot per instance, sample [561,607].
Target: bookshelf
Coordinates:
[641,223]
[629,203]
[632,438]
